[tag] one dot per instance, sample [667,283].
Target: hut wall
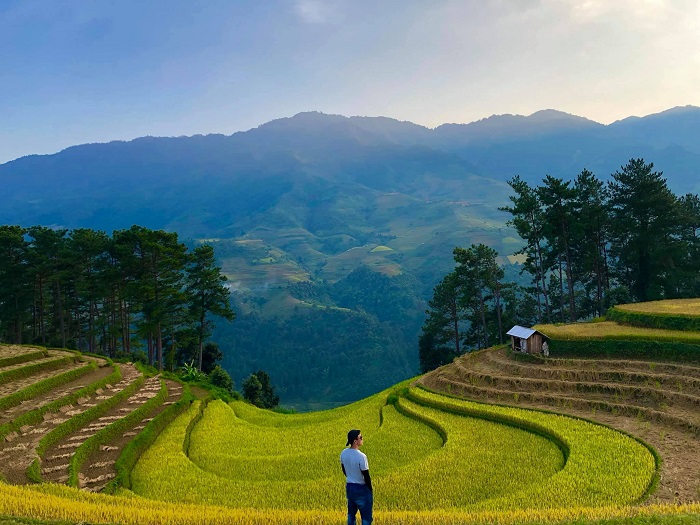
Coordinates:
[534,343]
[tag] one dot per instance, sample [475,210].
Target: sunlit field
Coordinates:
[242,457]
[611,330]
[689,307]
[435,459]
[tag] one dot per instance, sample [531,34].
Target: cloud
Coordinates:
[314,11]
[645,13]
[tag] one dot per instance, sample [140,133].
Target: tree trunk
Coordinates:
[482,307]
[42,331]
[570,283]
[18,323]
[201,341]
[544,282]
[497,296]
[91,326]
[61,315]
[173,352]
[159,347]
[561,291]
[455,321]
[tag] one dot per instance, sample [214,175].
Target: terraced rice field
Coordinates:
[615,331]
[57,402]
[470,457]
[658,402]
[435,459]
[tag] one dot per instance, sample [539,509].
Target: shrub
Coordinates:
[221,378]
[654,320]
[625,349]
[258,390]
[189,372]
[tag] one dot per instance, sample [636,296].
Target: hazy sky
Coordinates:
[74,71]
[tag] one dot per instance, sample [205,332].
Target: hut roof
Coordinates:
[520,331]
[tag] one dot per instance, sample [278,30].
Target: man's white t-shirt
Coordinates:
[354,462]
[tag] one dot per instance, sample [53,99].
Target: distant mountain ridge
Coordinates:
[377,152]
[115,184]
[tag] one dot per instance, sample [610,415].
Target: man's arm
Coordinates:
[343,467]
[368,480]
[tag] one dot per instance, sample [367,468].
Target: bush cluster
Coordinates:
[656,320]
[664,350]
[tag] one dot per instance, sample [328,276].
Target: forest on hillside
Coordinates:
[588,246]
[139,291]
[343,341]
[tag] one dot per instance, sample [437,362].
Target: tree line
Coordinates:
[588,245]
[138,290]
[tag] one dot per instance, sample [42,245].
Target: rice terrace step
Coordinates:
[497,437]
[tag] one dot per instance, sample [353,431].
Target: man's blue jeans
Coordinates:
[359,498]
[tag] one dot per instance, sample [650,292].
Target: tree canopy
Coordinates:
[82,289]
[587,246]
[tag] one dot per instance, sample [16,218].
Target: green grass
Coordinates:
[22,358]
[35,368]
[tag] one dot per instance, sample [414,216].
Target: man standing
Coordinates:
[358,485]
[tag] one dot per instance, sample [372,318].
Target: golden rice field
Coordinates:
[430,454]
[686,307]
[56,502]
[612,330]
[435,460]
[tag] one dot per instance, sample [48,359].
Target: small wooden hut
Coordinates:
[527,340]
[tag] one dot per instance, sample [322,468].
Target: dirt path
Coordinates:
[679,449]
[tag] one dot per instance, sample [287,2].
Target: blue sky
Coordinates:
[77,71]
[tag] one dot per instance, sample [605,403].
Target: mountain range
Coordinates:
[118,183]
[313,198]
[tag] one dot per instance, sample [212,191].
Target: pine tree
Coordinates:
[591,239]
[46,256]
[206,293]
[15,283]
[480,278]
[443,329]
[528,220]
[645,228]
[557,197]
